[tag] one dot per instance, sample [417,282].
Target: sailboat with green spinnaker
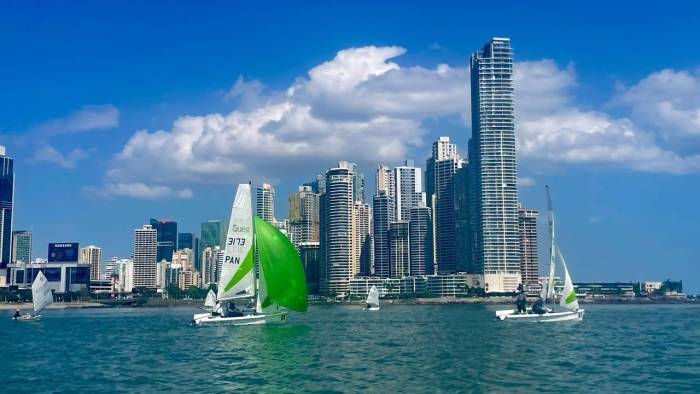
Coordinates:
[244,298]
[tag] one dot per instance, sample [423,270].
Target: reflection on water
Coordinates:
[449,348]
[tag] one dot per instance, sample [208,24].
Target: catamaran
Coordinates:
[568,302]
[244,298]
[372,303]
[41,298]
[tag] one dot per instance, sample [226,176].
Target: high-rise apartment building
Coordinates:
[21,247]
[145,250]
[383,215]
[464,236]
[492,163]
[123,275]
[399,249]
[212,257]
[92,255]
[337,236]
[265,202]
[409,189]
[166,230]
[420,237]
[190,241]
[527,228]
[384,180]
[184,257]
[362,229]
[212,233]
[303,217]
[7,195]
[110,268]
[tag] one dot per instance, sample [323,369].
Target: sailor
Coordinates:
[521,302]
[538,306]
[232,311]
[17,314]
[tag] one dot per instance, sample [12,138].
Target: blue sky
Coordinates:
[608,113]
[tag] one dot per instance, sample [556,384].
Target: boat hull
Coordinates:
[28,318]
[247,320]
[372,308]
[512,315]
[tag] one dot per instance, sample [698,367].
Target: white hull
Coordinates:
[209,319]
[372,308]
[543,318]
[28,318]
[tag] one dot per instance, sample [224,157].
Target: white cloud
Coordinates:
[137,190]
[526,181]
[89,117]
[49,154]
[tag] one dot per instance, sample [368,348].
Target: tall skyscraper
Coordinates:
[445,163]
[303,216]
[337,230]
[463,230]
[92,255]
[211,258]
[190,241]
[409,189]
[420,237]
[145,250]
[384,180]
[7,195]
[362,229]
[383,214]
[265,202]
[492,163]
[166,230]
[399,249]
[212,233]
[527,228]
[442,149]
[21,247]
[309,254]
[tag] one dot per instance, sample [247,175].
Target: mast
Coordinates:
[552,247]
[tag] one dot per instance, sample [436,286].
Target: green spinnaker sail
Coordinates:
[281,266]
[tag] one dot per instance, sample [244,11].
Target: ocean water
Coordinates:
[406,348]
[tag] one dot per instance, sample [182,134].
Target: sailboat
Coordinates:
[372,299]
[210,301]
[244,298]
[568,303]
[41,297]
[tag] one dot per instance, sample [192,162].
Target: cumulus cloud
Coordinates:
[89,117]
[137,190]
[49,154]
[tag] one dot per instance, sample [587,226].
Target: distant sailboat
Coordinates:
[41,298]
[567,302]
[372,299]
[210,301]
[243,299]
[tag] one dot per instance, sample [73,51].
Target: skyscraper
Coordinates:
[167,238]
[303,216]
[21,247]
[492,163]
[527,228]
[420,237]
[383,214]
[463,230]
[184,257]
[212,233]
[309,254]
[7,194]
[265,202]
[92,255]
[190,241]
[336,238]
[145,250]
[384,180]
[399,249]
[362,229]
[211,258]
[409,189]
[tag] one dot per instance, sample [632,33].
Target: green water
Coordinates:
[410,348]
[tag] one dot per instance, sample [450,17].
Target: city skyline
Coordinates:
[614,199]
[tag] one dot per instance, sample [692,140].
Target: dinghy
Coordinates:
[568,303]
[242,298]
[41,298]
[372,303]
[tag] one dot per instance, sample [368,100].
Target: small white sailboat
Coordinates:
[41,297]
[568,302]
[372,303]
[210,301]
[243,299]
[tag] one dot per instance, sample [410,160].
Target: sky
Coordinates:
[119,112]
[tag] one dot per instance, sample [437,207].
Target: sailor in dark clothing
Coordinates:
[17,314]
[521,302]
[538,306]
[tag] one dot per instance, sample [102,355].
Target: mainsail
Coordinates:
[568,295]
[282,279]
[210,301]
[237,278]
[41,293]
[373,297]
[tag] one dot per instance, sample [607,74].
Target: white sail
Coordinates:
[41,293]
[210,301]
[373,297]
[568,295]
[237,278]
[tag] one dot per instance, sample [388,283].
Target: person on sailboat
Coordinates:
[521,302]
[17,314]
[538,306]
[233,311]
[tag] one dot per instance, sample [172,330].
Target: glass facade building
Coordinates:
[7,191]
[167,238]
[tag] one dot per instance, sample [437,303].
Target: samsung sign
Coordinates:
[66,252]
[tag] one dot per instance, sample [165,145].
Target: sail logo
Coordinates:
[232,260]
